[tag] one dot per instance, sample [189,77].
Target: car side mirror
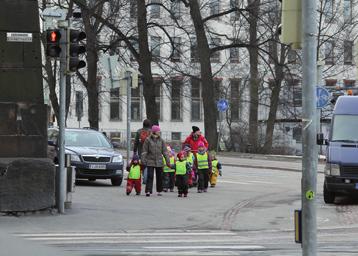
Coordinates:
[115,144]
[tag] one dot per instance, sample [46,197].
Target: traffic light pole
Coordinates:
[309,131]
[129,103]
[62,120]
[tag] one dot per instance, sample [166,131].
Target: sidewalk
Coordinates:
[275,162]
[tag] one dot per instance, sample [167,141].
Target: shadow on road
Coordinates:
[97,183]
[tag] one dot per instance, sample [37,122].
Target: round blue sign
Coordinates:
[322,96]
[222,105]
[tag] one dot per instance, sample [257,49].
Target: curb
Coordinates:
[265,167]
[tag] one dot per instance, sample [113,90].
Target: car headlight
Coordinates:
[75,158]
[117,159]
[332,169]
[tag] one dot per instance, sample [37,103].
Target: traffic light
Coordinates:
[53,47]
[291,23]
[76,49]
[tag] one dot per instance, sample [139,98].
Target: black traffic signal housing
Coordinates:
[75,50]
[53,47]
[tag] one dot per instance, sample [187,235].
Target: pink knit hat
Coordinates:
[201,144]
[155,128]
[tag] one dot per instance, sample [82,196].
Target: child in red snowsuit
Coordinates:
[134,176]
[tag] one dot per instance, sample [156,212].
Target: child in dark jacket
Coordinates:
[134,175]
[182,168]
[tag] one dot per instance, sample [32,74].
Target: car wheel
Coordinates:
[116,181]
[328,196]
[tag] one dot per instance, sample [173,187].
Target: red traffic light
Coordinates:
[53,47]
[53,36]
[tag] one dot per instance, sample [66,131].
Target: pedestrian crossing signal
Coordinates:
[53,48]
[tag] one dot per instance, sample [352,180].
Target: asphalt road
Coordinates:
[250,212]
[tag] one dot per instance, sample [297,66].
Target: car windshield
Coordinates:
[86,139]
[345,128]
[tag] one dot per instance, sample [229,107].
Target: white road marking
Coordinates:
[235,247]
[184,233]
[233,182]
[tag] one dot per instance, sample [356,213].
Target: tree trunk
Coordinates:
[206,76]
[254,74]
[144,62]
[274,100]
[68,95]
[51,81]
[92,59]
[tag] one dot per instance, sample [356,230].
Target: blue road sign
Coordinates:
[222,105]
[322,97]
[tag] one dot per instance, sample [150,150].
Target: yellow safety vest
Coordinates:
[166,168]
[180,167]
[214,166]
[134,172]
[203,162]
[189,158]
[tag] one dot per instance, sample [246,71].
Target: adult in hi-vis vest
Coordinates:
[134,176]
[168,172]
[203,167]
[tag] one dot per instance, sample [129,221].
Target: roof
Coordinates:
[346,105]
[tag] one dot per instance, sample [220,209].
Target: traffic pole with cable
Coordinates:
[309,131]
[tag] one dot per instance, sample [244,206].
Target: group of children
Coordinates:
[186,169]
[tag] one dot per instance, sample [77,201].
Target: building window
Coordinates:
[113,45]
[176,49]
[115,105]
[349,83]
[328,9]
[291,56]
[155,46]
[219,93]
[215,56]
[136,47]
[214,7]
[154,9]
[331,82]
[136,114]
[195,100]
[295,86]
[133,9]
[329,52]
[235,14]
[158,96]
[234,99]
[175,9]
[176,104]
[347,11]
[194,50]
[234,55]
[348,52]
[272,49]
[176,136]
[79,105]
[297,134]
